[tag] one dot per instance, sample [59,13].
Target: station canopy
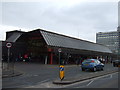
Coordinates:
[58,40]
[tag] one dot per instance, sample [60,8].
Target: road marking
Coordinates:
[89,83]
[106,75]
[35,75]
[39,83]
[44,81]
[111,76]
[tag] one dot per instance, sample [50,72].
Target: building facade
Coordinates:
[43,46]
[109,39]
[118,29]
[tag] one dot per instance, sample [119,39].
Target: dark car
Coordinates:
[92,64]
[116,63]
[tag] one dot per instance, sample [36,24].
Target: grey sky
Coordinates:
[119,14]
[80,19]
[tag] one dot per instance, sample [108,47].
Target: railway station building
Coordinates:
[45,47]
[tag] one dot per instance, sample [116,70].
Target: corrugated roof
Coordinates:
[14,37]
[54,39]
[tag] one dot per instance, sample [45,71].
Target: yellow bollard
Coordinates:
[62,72]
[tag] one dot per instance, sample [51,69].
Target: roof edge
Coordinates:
[68,36]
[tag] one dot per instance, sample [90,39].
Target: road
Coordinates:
[42,75]
[0,75]
[107,81]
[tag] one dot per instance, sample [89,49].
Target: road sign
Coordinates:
[9,45]
[62,72]
[59,50]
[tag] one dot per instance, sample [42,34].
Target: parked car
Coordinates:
[116,63]
[92,64]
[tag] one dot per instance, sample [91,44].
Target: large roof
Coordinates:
[58,40]
[15,35]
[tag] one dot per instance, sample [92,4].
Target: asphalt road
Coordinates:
[107,81]
[40,75]
[0,75]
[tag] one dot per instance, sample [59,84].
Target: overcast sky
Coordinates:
[76,18]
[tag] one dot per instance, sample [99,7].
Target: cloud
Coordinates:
[5,28]
[78,19]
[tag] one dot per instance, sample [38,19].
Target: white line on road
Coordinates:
[89,83]
[106,75]
[110,76]
[36,75]
[91,80]
[38,85]
[44,81]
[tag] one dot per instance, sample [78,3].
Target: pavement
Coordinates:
[9,73]
[84,77]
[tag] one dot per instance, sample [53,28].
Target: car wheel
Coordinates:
[94,69]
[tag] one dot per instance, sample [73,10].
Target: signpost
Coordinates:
[8,45]
[61,67]
[59,50]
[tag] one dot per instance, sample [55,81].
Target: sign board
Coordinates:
[9,45]
[62,72]
[59,50]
